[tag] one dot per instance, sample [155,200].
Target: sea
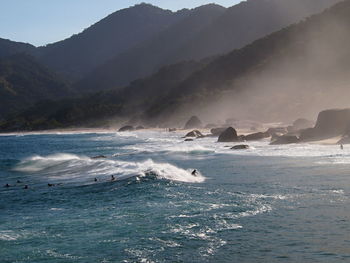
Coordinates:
[138,200]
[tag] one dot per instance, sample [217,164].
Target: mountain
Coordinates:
[23,81]
[208,30]
[297,71]
[294,72]
[109,37]
[102,107]
[248,21]
[147,57]
[8,48]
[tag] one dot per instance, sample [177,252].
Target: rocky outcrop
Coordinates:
[217,131]
[285,139]
[240,147]
[192,123]
[257,136]
[195,133]
[126,128]
[330,123]
[229,135]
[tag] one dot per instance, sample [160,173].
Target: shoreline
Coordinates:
[68,131]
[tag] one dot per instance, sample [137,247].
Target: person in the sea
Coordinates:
[25,187]
[112,178]
[7,185]
[341,147]
[50,185]
[19,182]
[194,172]
[95,179]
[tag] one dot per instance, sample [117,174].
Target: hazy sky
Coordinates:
[41,22]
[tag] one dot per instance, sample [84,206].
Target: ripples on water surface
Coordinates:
[266,204]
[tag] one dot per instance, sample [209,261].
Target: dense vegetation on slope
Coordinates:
[100,108]
[23,82]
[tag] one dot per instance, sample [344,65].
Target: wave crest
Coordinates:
[81,168]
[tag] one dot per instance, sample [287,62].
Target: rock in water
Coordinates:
[285,139]
[240,147]
[217,131]
[194,133]
[330,123]
[229,135]
[192,123]
[126,128]
[257,136]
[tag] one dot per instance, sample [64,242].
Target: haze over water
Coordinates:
[266,204]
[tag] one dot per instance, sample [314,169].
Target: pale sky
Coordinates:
[40,22]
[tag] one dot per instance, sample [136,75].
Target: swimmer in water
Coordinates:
[95,179]
[7,185]
[25,187]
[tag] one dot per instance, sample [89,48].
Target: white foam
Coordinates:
[81,168]
[9,235]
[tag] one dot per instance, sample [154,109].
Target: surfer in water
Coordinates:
[112,178]
[194,172]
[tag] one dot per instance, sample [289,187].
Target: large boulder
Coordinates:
[257,136]
[330,123]
[217,131]
[240,147]
[192,123]
[126,128]
[195,133]
[229,135]
[285,139]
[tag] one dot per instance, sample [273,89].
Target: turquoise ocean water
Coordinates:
[266,204]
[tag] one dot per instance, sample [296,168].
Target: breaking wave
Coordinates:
[72,167]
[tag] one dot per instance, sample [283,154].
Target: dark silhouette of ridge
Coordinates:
[109,37]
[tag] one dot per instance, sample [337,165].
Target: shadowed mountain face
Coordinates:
[23,82]
[207,31]
[274,77]
[301,69]
[246,22]
[8,48]
[297,71]
[149,56]
[111,36]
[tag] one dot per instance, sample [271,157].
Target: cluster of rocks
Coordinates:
[128,128]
